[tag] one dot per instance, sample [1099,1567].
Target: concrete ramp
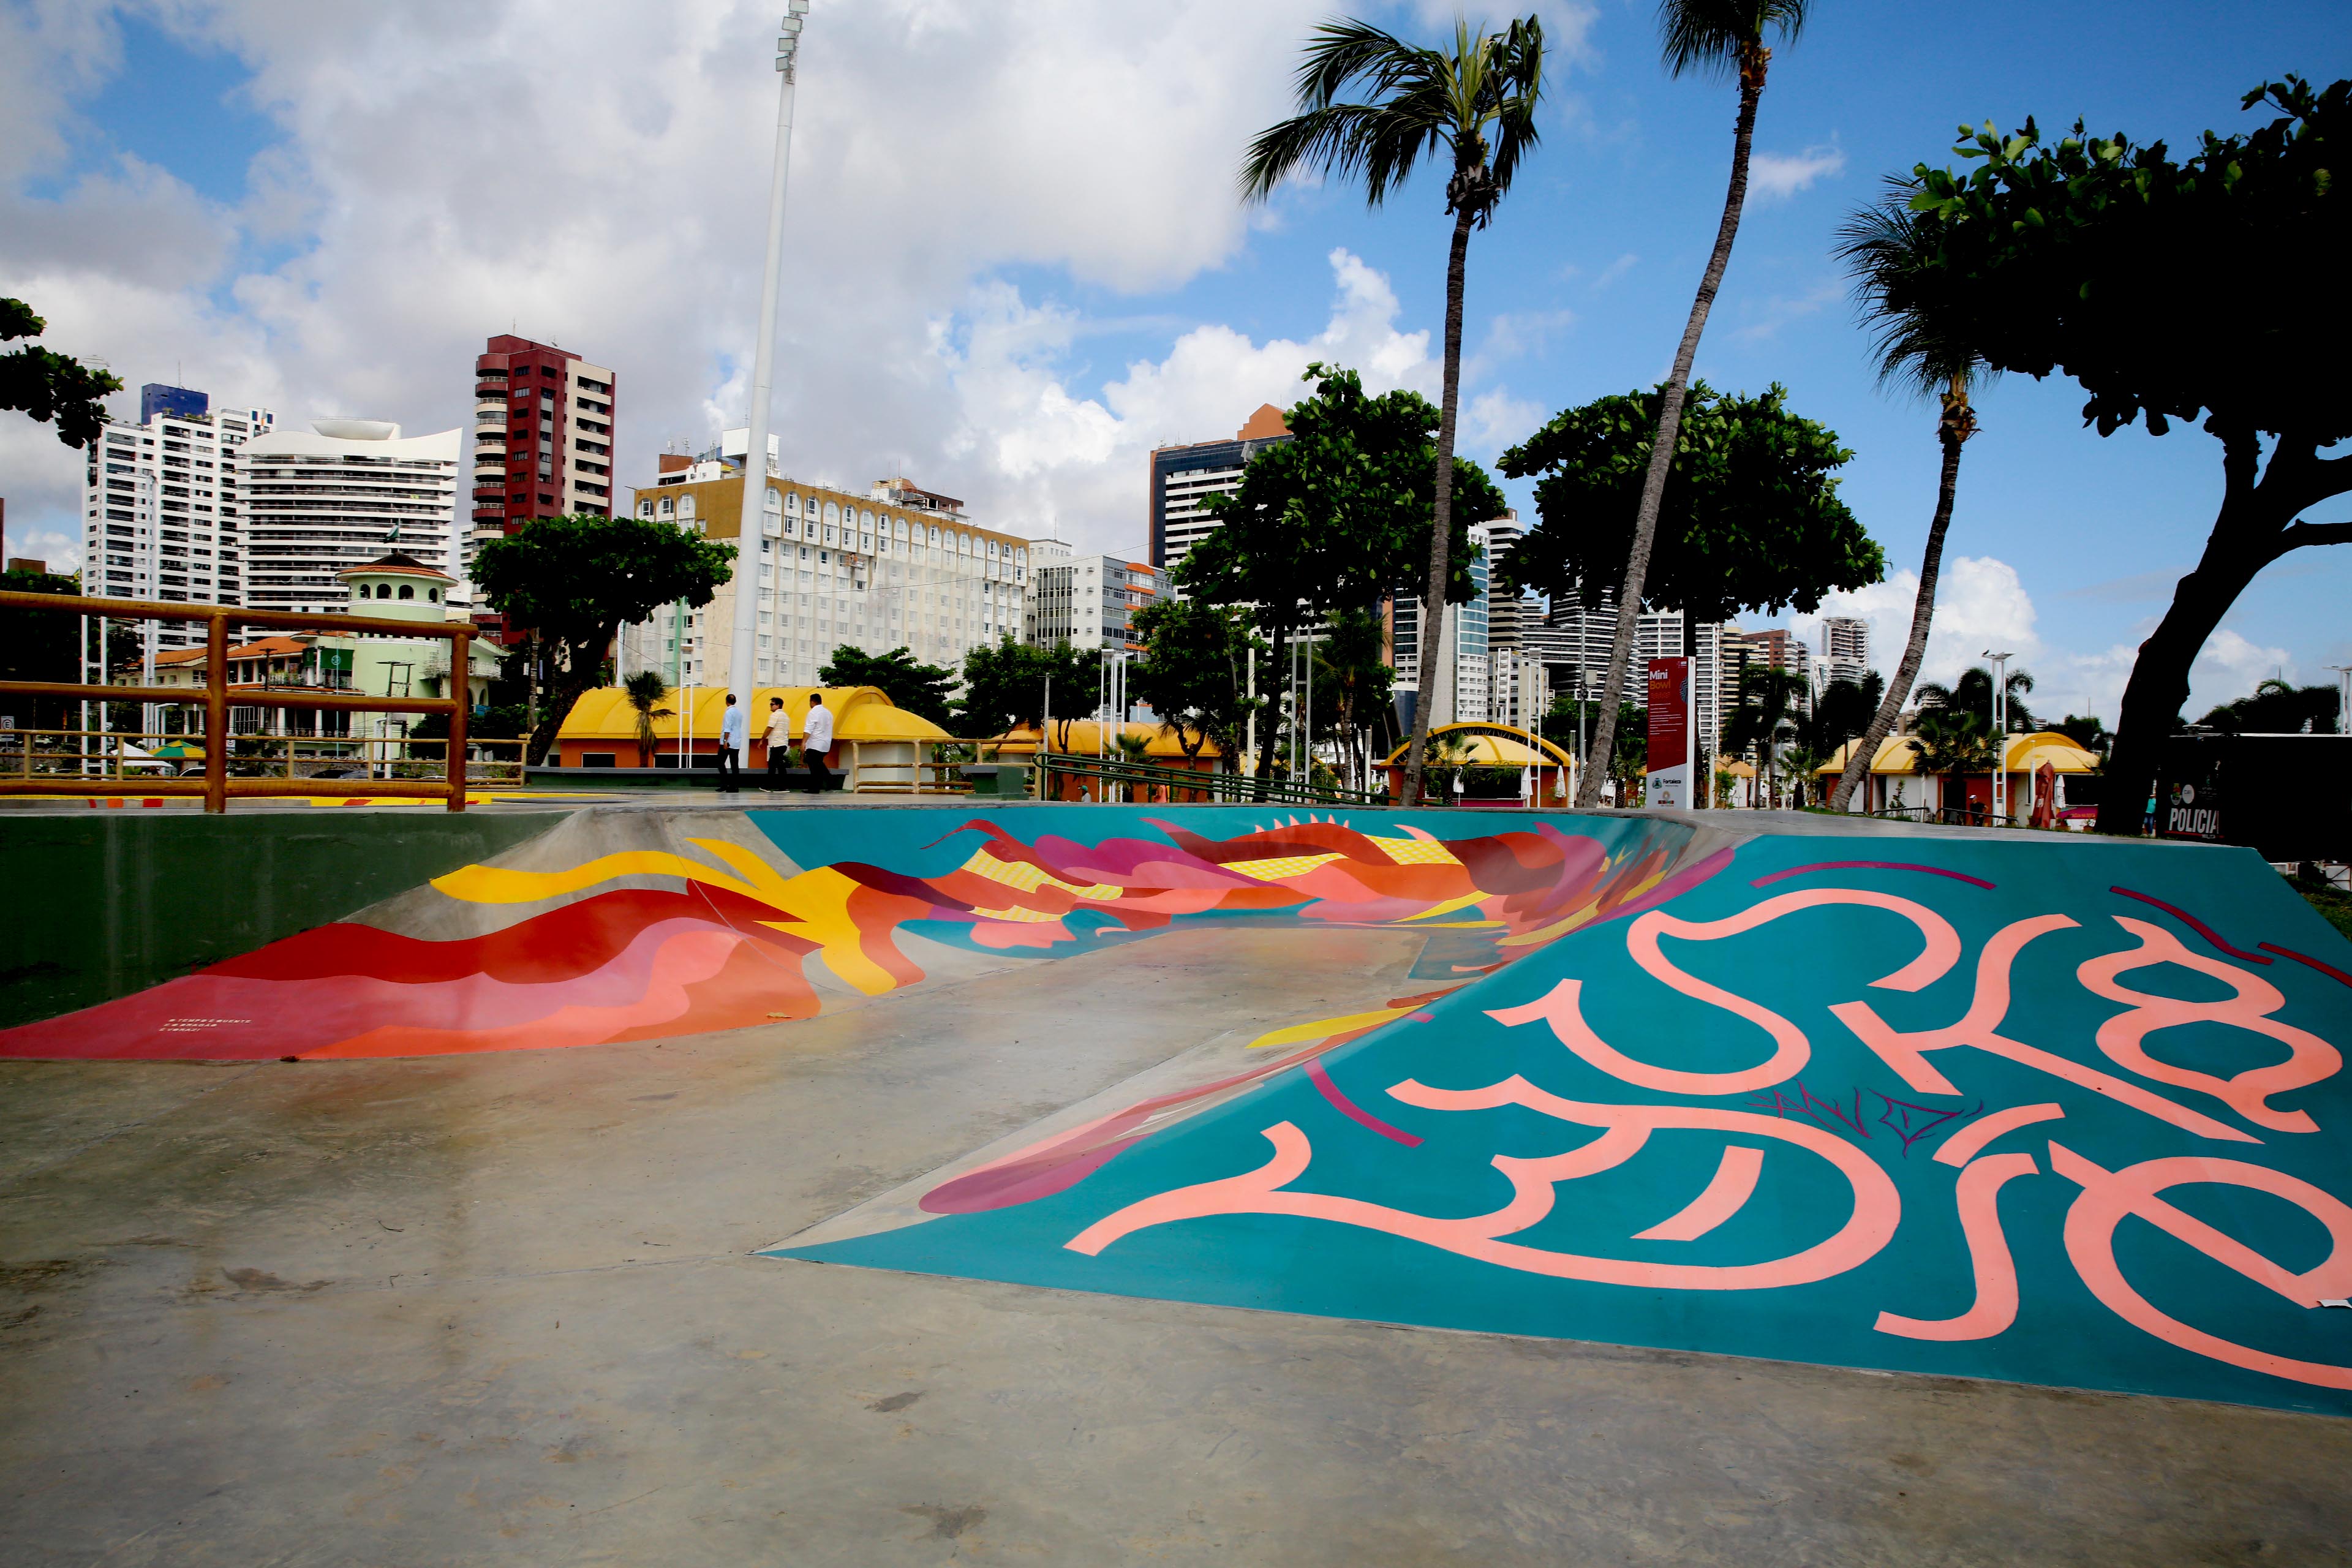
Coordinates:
[2024,1108]
[2010,1105]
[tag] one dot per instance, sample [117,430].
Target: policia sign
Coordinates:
[2287,797]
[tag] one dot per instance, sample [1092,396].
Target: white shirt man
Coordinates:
[734,731]
[816,741]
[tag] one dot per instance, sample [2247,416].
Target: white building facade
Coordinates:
[162,512]
[895,566]
[338,497]
[1089,601]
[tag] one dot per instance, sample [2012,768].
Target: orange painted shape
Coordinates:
[1978,1197]
[1733,1183]
[1964,1145]
[2109,1196]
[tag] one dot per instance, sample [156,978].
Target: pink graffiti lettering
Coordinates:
[1877,1208]
[1977,1195]
[2108,1196]
[1791,1050]
[2310,1058]
[1906,1051]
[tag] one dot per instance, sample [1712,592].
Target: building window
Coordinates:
[668,507]
[645,509]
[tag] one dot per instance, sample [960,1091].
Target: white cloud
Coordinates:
[1979,604]
[1777,176]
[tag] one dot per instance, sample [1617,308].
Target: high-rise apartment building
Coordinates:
[1465,699]
[1845,648]
[1507,612]
[339,496]
[1089,601]
[1185,477]
[897,566]
[542,438]
[1575,644]
[162,515]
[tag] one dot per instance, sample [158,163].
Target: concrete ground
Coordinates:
[499,1309]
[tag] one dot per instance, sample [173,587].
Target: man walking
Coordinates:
[817,741]
[779,742]
[733,735]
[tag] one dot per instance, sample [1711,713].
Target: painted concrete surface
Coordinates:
[497,1308]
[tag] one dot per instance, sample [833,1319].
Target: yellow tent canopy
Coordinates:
[862,714]
[1491,745]
[2026,754]
[1086,738]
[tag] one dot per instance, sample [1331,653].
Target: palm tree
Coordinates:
[1921,347]
[1972,693]
[1949,739]
[1711,38]
[646,688]
[1421,101]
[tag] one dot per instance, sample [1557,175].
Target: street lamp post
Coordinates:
[739,668]
[2000,734]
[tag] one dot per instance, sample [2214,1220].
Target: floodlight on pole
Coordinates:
[2000,733]
[739,667]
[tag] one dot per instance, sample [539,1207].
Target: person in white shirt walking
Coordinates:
[780,744]
[734,733]
[817,742]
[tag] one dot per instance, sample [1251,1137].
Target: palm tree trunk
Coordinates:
[1662,448]
[1440,533]
[1923,615]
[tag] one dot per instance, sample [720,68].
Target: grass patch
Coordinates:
[2336,906]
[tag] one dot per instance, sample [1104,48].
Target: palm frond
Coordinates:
[1920,340]
[1710,37]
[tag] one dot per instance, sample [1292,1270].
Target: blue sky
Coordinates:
[292,211]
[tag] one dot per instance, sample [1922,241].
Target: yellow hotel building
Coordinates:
[896,566]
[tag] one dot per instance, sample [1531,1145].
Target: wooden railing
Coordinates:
[218,786]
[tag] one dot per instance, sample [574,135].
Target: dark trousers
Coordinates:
[818,773]
[730,769]
[777,777]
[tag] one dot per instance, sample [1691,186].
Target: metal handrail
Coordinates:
[1218,786]
[217,786]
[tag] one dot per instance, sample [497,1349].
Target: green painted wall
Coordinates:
[108,902]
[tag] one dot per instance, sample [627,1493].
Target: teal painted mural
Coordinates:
[2060,1113]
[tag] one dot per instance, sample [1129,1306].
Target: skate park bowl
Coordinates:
[2006,1106]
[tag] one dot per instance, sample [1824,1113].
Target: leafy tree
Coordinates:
[920,689]
[1767,707]
[2071,258]
[1923,345]
[1749,516]
[1006,685]
[2090,734]
[1718,38]
[1352,687]
[645,690]
[1425,103]
[1972,693]
[1193,673]
[38,646]
[2278,708]
[1334,517]
[51,387]
[576,581]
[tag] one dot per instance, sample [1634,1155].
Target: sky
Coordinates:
[1016,262]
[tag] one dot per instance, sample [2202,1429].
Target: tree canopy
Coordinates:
[922,690]
[2278,708]
[1004,685]
[575,580]
[1192,672]
[51,387]
[1750,518]
[2171,290]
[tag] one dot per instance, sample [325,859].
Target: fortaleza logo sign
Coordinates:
[2185,818]
[1670,759]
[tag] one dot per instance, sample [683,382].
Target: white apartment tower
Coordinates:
[1089,601]
[1845,648]
[162,514]
[339,496]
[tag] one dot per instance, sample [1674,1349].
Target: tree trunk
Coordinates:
[1923,615]
[2160,677]
[1266,742]
[1441,534]
[1661,448]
